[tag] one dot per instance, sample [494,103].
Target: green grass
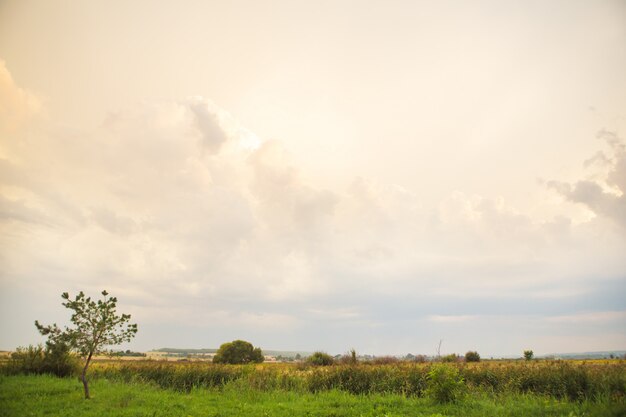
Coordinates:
[50,396]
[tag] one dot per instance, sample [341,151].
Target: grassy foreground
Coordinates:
[51,396]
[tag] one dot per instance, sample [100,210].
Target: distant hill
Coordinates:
[588,355]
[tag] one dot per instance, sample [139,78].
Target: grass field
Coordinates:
[162,388]
[43,395]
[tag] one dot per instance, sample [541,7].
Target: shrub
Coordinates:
[445,384]
[27,360]
[472,356]
[58,360]
[320,359]
[55,359]
[528,354]
[238,352]
[449,358]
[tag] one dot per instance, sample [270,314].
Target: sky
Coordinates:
[329,175]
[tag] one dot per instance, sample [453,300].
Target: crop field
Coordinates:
[163,388]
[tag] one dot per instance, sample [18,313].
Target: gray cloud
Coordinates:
[207,121]
[611,203]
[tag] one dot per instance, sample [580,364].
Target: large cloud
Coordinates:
[190,218]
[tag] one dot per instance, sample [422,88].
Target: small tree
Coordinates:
[472,356]
[97,325]
[238,352]
[528,354]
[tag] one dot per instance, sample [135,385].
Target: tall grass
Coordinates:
[559,379]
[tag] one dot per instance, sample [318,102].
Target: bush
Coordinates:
[472,356]
[59,361]
[449,358]
[27,360]
[55,359]
[320,359]
[238,352]
[445,384]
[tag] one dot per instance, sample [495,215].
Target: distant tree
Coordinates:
[298,356]
[528,354]
[96,325]
[421,358]
[320,359]
[238,352]
[472,356]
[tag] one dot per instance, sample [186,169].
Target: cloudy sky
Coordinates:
[376,175]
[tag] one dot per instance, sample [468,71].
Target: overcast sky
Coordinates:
[376,175]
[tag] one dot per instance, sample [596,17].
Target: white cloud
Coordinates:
[16,104]
[192,218]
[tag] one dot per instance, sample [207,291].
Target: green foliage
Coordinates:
[320,359]
[171,375]
[59,360]
[472,356]
[368,379]
[26,360]
[528,354]
[238,352]
[54,359]
[96,325]
[450,358]
[445,384]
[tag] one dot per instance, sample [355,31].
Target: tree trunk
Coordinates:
[84,377]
